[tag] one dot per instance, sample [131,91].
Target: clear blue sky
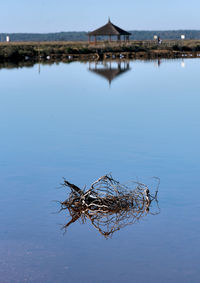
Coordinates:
[77,15]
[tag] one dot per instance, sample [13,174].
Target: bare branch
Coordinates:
[108,204]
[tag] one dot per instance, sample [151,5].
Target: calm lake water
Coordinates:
[81,121]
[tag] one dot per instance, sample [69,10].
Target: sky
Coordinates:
[45,16]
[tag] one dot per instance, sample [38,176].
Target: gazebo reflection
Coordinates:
[109,70]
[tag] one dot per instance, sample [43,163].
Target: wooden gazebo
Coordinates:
[109,30]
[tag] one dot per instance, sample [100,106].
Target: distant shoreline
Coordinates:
[72,51]
[189,34]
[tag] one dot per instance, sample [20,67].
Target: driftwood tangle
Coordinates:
[108,204]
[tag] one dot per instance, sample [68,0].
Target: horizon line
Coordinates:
[73,31]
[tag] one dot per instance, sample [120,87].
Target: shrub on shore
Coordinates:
[33,51]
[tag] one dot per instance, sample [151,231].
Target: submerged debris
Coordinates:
[108,204]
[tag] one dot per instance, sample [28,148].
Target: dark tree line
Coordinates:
[82,36]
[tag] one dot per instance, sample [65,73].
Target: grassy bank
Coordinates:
[34,51]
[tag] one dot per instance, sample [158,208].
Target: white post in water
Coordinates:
[182,36]
[7,38]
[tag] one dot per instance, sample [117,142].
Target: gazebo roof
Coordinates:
[109,29]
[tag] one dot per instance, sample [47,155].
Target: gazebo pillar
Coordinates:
[110,38]
[95,39]
[119,38]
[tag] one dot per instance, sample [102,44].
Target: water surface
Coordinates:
[64,120]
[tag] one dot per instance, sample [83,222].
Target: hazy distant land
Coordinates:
[82,36]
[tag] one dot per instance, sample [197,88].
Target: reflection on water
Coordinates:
[14,65]
[157,63]
[109,70]
[183,64]
[109,205]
